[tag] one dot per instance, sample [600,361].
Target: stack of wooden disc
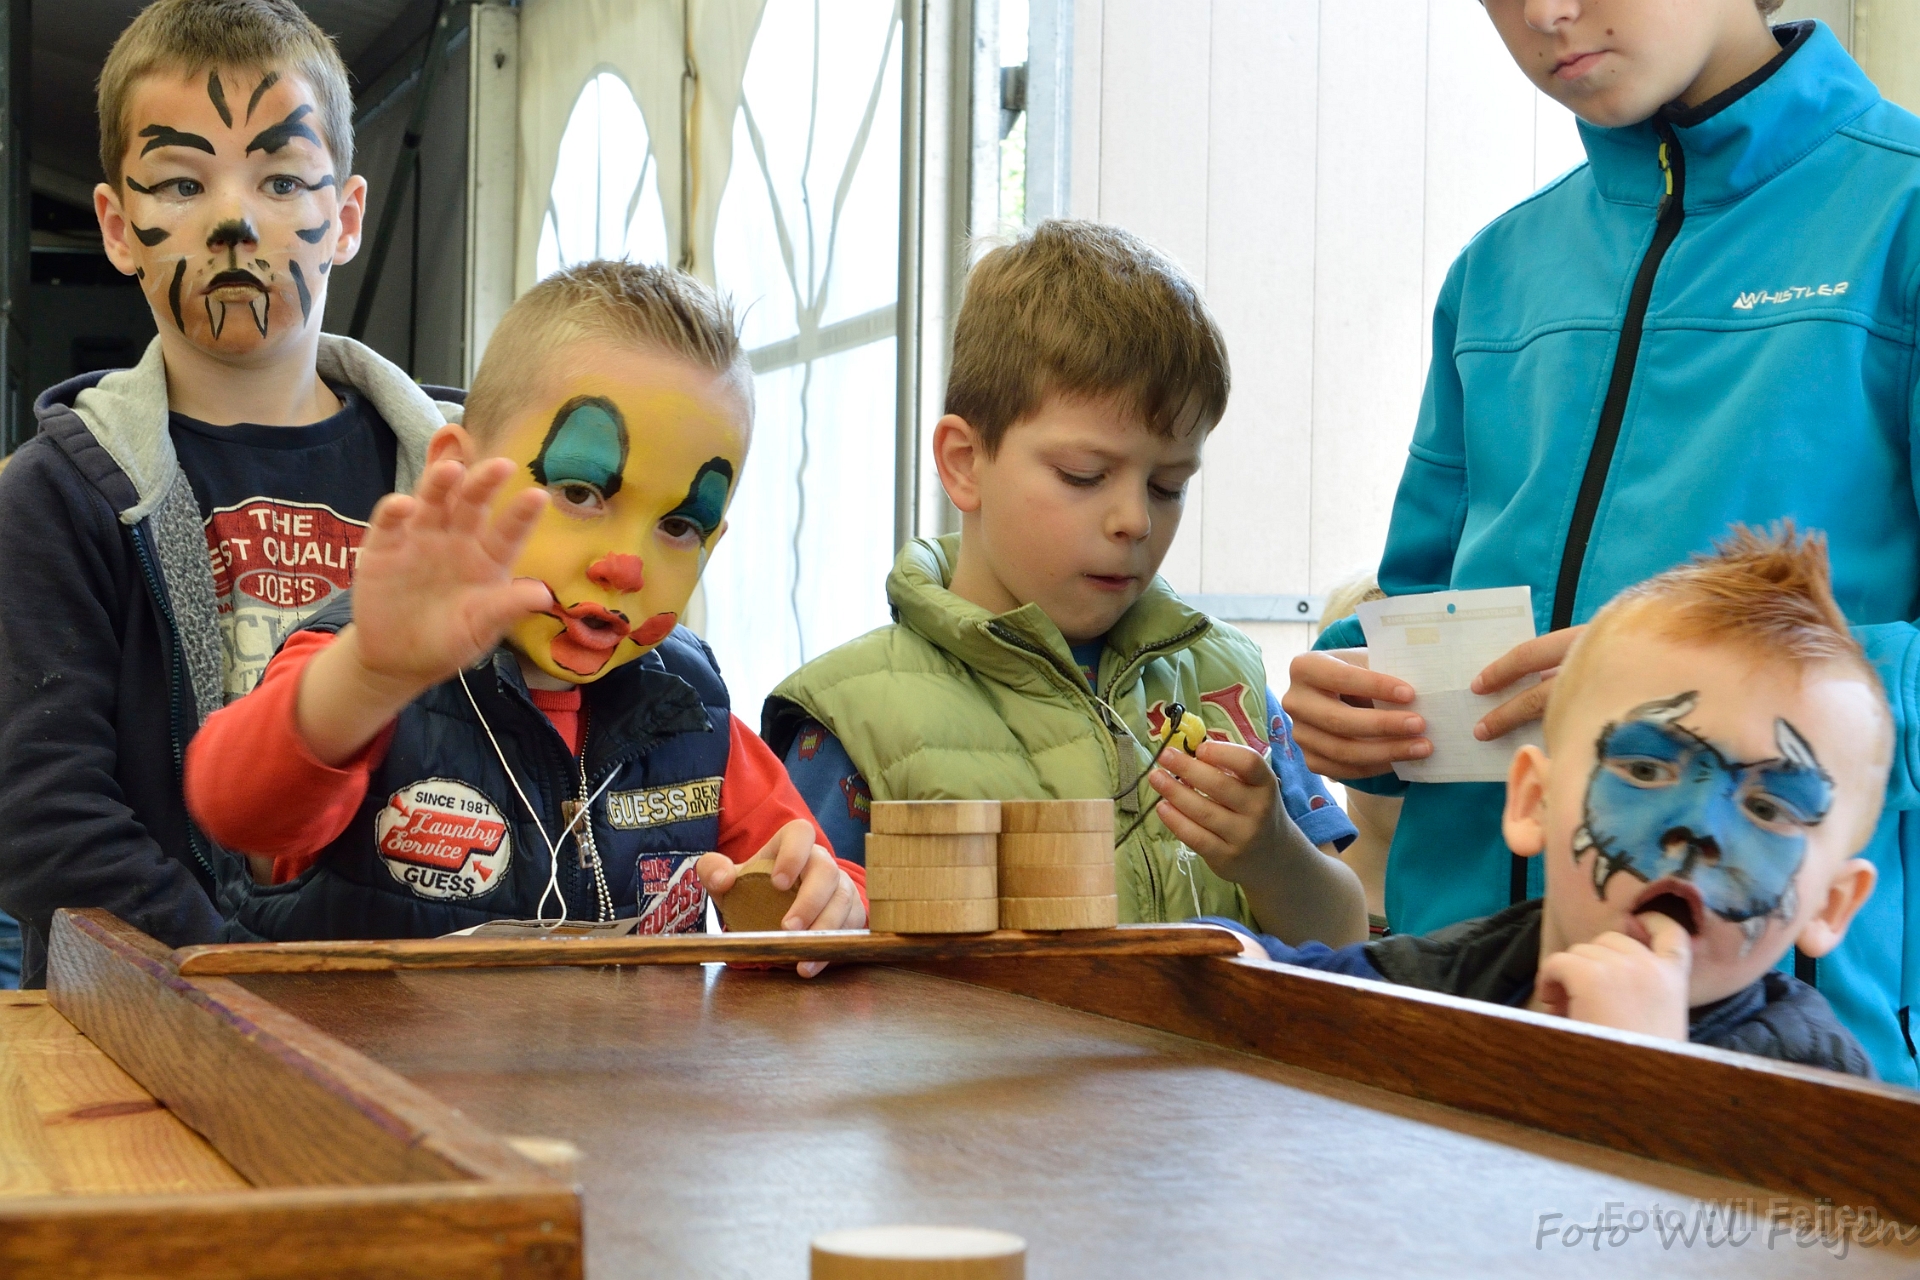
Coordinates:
[1056,865]
[932,866]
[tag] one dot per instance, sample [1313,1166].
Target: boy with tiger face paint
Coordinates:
[506,721]
[170,524]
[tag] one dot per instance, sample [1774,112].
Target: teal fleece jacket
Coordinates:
[1620,373]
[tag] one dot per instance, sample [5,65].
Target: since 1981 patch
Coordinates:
[443,839]
[657,806]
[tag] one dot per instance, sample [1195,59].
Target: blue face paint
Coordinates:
[587,444]
[1664,802]
[706,499]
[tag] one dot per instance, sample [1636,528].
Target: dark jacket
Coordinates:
[444,839]
[110,654]
[1496,958]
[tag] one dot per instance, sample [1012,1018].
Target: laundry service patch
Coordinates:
[443,839]
[657,806]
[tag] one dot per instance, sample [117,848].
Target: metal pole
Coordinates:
[402,170]
[906,424]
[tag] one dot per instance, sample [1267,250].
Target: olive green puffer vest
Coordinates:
[954,702]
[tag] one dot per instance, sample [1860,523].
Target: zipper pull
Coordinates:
[1666,170]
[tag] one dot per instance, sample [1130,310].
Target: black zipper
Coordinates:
[177,682]
[1606,438]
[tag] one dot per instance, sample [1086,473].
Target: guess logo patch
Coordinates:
[657,806]
[443,839]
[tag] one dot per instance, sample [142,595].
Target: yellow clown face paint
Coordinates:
[640,453]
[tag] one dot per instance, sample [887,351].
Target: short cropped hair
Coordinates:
[608,300]
[1768,594]
[1084,310]
[1768,6]
[190,36]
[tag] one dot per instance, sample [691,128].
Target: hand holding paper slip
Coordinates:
[1438,643]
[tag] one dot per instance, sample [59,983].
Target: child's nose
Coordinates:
[1130,518]
[231,234]
[617,572]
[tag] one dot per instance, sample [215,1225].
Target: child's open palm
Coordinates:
[434,589]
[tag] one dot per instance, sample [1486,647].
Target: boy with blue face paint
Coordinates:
[1717,746]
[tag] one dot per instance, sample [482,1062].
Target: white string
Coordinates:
[553,849]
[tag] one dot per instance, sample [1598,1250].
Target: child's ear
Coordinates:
[957,453]
[451,443]
[113,227]
[1847,892]
[353,210]
[1524,821]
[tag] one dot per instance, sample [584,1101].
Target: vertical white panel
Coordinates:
[493,96]
[1279,643]
[1153,167]
[1480,137]
[1369,246]
[1556,140]
[1264,91]
[1089,76]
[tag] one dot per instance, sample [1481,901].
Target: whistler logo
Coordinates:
[1748,301]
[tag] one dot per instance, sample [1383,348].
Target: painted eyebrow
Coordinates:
[272,79]
[276,136]
[218,93]
[165,135]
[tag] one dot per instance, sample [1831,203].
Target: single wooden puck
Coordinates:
[927,883]
[1060,913]
[919,1253]
[1057,815]
[951,915]
[1077,880]
[979,850]
[1056,849]
[935,817]
[753,905]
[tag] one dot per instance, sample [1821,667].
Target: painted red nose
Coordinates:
[617,573]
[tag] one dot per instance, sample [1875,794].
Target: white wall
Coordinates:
[1317,169]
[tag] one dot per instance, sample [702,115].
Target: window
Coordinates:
[605,200]
[807,245]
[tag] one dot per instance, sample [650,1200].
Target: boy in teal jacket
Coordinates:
[1711,322]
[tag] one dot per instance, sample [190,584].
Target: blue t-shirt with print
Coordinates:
[826,778]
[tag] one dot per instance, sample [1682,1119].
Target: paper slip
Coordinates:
[1438,643]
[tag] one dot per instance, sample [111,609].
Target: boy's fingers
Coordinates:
[1190,833]
[1244,763]
[1670,939]
[503,537]
[475,495]
[434,492]
[716,872]
[1224,829]
[792,847]
[1336,756]
[1522,708]
[1317,707]
[1529,657]
[1223,786]
[500,607]
[817,885]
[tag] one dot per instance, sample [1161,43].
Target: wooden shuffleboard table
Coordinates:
[1133,1102]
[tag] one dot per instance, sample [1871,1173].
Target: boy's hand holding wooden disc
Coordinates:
[753,905]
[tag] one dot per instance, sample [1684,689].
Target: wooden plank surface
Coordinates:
[1797,1129]
[839,945]
[284,1106]
[726,1117]
[73,1123]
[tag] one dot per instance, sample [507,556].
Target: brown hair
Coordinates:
[624,303]
[189,36]
[1769,594]
[1084,310]
[1768,6]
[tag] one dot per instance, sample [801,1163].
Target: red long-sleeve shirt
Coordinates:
[293,805]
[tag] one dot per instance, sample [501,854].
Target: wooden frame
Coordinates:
[357,1170]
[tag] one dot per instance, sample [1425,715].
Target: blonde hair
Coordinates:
[1768,594]
[1084,310]
[623,303]
[1345,600]
[190,36]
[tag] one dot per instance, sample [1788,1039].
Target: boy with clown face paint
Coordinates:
[171,523]
[1717,747]
[505,720]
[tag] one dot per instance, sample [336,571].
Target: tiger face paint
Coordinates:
[229,212]
[640,453]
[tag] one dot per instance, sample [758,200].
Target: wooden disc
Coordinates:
[1060,913]
[1057,815]
[935,817]
[1056,849]
[753,905]
[953,915]
[919,1253]
[927,883]
[1076,880]
[980,850]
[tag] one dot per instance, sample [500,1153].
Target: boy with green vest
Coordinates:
[1036,654]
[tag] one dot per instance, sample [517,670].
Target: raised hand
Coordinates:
[433,591]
